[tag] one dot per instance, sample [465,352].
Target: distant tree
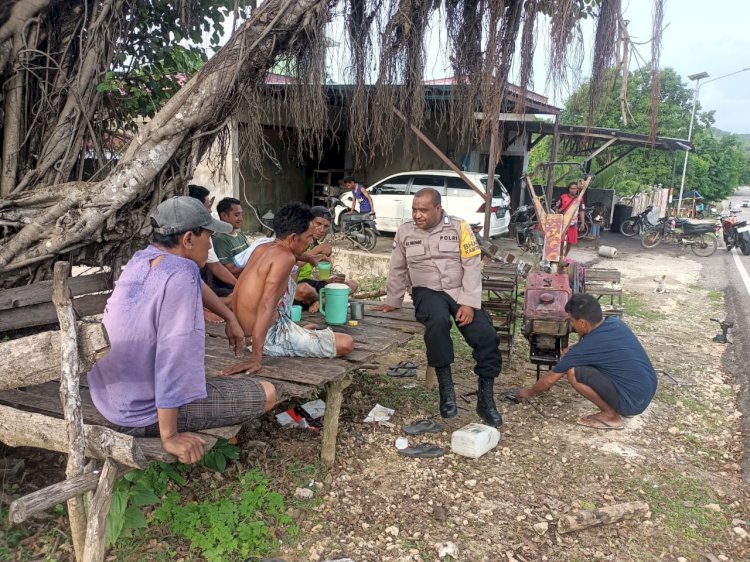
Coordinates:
[715,168]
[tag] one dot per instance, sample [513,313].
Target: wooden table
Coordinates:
[299,377]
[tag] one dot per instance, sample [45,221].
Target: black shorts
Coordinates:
[601,384]
[317,285]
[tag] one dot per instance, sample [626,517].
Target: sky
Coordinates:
[699,36]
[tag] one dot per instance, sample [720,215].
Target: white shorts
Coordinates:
[287,339]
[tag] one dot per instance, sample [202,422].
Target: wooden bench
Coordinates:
[64,418]
[600,282]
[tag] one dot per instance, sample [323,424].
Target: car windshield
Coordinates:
[498,189]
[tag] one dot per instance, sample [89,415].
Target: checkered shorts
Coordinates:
[230,401]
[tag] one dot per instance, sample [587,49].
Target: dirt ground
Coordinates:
[681,456]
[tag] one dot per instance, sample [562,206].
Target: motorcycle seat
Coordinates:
[740,224]
[356,217]
[691,228]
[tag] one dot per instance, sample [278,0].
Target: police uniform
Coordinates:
[443,267]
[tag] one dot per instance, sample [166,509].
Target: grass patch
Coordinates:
[678,503]
[636,308]
[715,296]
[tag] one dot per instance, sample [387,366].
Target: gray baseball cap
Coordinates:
[180,214]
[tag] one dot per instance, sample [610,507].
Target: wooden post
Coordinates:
[553,158]
[334,397]
[430,378]
[71,400]
[491,165]
[602,516]
[439,153]
[98,511]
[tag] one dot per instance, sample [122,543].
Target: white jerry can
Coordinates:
[474,440]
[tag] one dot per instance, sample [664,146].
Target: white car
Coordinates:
[393,197]
[746,202]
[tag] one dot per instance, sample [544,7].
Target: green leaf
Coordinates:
[134,518]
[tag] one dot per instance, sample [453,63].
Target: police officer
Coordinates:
[439,257]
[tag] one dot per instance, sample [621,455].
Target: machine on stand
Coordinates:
[548,290]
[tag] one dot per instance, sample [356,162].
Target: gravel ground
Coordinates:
[682,456]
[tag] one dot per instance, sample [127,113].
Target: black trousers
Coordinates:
[435,310]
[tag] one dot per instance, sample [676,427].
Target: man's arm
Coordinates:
[187,447]
[398,277]
[222,273]
[234,332]
[471,262]
[545,382]
[369,198]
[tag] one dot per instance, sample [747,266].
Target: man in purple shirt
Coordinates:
[153,382]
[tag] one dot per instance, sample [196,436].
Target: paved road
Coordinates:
[732,276]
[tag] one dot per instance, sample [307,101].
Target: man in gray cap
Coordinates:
[153,382]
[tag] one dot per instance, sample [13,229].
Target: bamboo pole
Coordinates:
[71,400]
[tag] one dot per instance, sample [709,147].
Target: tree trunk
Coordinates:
[83,213]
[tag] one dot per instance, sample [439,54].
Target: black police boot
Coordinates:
[486,403]
[447,394]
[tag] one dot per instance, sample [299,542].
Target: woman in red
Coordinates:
[566,200]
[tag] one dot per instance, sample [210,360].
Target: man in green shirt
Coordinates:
[229,245]
[308,288]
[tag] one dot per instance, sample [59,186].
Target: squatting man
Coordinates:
[608,366]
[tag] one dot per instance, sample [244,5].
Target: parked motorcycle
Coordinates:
[735,233]
[700,237]
[524,229]
[358,228]
[637,224]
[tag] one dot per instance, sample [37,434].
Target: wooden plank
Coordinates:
[41,292]
[26,429]
[31,401]
[36,359]
[44,314]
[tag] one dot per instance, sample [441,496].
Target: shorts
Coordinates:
[601,384]
[571,237]
[317,285]
[230,401]
[288,339]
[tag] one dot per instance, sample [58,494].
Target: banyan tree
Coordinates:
[98,127]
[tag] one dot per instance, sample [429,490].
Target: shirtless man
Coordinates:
[263,296]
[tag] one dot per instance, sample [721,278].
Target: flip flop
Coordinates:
[422,426]
[423,451]
[403,369]
[598,424]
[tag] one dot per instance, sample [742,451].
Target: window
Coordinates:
[393,186]
[435,182]
[498,190]
[459,188]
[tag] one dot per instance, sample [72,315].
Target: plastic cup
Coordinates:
[324,271]
[296,312]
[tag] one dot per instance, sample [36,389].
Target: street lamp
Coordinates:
[697,77]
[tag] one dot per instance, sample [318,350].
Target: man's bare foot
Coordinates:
[314,307]
[601,421]
[211,317]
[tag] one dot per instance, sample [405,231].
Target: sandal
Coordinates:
[403,369]
[423,451]
[422,426]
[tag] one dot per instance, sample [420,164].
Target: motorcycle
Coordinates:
[358,228]
[524,229]
[735,233]
[700,237]
[637,224]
